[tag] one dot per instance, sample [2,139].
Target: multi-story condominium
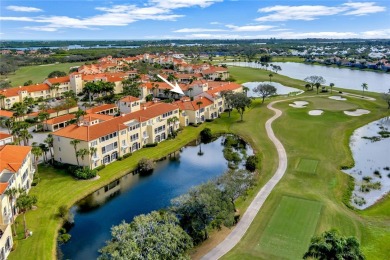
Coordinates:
[18,94]
[108,140]
[16,171]
[129,104]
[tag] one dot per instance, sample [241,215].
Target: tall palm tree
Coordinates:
[20,110]
[82,153]
[37,152]
[245,89]
[45,150]
[24,203]
[12,194]
[26,136]
[270,76]
[318,85]
[75,142]
[49,141]
[199,103]
[331,85]
[364,87]
[92,152]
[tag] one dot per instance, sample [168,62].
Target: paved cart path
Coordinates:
[239,230]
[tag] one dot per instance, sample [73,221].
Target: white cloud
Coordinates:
[175,4]
[116,15]
[16,8]
[303,12]
[250,28]
[215,23]
[196,30]
[375,34]
[312,12]
[361,8]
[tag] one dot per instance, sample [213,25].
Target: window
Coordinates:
[59,149]
[123,132]
[58,139]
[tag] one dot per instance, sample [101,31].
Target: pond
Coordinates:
[370,147]
[341,77]
[133,195]
[281,89]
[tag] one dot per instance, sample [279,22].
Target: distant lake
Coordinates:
[341,77]
[281,90]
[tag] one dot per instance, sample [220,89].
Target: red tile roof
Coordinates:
[88,133]
[4,135]
[192,105]
[129,99]
[59,80]
[3,187]
[11,92]
[12,156]
[60,119]
[5,113]
[100,108]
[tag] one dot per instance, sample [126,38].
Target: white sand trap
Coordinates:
[357,112]
[316,112]
[299,104]
[337,98]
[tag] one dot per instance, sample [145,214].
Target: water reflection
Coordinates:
[371,153]
[133,195]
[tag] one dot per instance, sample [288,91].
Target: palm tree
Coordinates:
[318,85]
[364,87]
[75,142]
[199,103]
[26,136]
[79,113]
[92,152]
[49,141]
[45,149]
[331,85]
[82,153]
[37,152]
[24,203]
[270,76]
[12,193]
[2,97]
[20,109]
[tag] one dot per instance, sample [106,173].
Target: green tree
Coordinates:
[240,102]
[364,87]
[75,142]
[37,152]
[317,85]
[49,141]
[145,165]
[156,235]
[227,97]
[331,85]
[270,77]
[312,80]
[92,152]
[79,113]
[12,193]
[131,87]
[330,245]
[82,153]
[265,90]
[24,203]
[56,73]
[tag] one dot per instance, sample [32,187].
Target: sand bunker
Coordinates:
[357,112]
[337,98]
[299,104]
[316,112]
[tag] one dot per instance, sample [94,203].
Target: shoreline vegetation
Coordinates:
[329,184]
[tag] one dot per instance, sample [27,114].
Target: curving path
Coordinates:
[238,232]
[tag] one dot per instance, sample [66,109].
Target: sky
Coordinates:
[192,19]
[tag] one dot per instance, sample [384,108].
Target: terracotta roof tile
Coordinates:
[60,119]
[4,135]
[59,80]
[100,108]
[12,92]
[12,156]
[129,99]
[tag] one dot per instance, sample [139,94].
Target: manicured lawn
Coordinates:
[37,73]
[290,229]
[330,104]
[307,165]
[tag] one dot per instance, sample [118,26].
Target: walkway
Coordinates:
[238,232]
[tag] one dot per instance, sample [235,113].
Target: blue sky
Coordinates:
[192,19]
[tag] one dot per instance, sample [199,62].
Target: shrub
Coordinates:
[205,135]
[63,237]
[119,158]
[251,163]
[127,155]
[85,173]
[150,145]
[145,166]
[63,212]
[101,167]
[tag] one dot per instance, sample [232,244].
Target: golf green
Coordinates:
[288,233]
[307,165]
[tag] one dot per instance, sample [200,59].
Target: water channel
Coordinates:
[133,195]
[341,77]
[371,153]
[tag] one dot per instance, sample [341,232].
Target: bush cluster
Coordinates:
[85,173]
[150,145]
[251,163]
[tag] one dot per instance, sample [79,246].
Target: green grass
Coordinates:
[37,73]
[307,165]
[290,229]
